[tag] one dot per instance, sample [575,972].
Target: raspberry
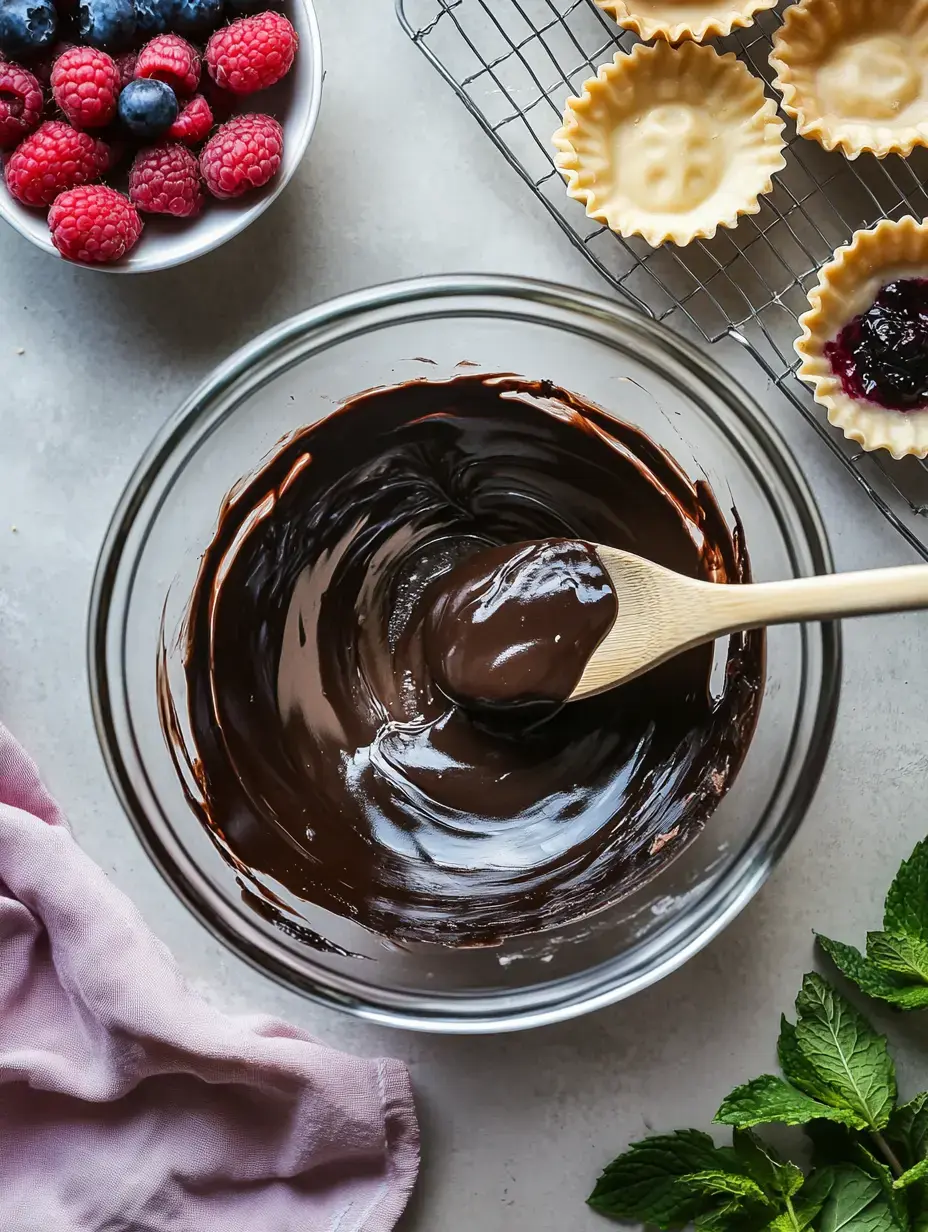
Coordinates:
[126,63]
[165,179]
[85,83]
[171,59]
[21,104]
[253,53]
[194,122]
[94,224]
[241,155]
[55,157]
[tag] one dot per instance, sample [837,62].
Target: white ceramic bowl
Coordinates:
[166,242]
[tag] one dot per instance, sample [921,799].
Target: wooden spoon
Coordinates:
[662,613]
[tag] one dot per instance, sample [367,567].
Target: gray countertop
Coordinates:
[399,181]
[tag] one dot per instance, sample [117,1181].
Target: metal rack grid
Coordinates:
[514,62]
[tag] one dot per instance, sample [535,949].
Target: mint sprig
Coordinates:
[895,967]
[869,1161]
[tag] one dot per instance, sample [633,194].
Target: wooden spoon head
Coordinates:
[659,616]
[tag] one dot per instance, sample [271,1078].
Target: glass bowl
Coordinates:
[295,374]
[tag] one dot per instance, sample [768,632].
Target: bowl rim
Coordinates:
[717,907]
[245,218]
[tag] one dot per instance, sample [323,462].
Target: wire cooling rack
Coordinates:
[514,62]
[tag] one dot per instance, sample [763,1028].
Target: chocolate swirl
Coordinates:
[326,757]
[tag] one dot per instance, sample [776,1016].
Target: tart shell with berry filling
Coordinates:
[864,342]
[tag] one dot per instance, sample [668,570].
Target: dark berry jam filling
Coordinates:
[882,355]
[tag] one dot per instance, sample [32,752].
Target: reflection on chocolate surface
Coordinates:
[515,625]
[330,766]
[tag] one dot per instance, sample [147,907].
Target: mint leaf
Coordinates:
[918,1208]
[743,1207]
[910,997]
[845,1051]
[768,1099]
[797,1069]
[777,1179]
[807,1202]
[907,1130]
[855,1204]
[914,1174]
[716,1183]
[734,1216]
[907,956]
[868,977]
[906,909]
[641,1185]
[880,1172]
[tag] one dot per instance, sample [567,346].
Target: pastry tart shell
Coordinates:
[676,20]
[854,73]
[670,143]
[847,287]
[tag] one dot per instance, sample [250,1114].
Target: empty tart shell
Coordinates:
[854,73]
[847,287]
[670,143]
[676,20]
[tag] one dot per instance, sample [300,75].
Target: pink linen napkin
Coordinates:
[127,1104]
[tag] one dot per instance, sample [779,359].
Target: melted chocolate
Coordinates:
[514,626]
[332,768]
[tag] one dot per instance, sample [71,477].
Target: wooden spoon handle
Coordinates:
[817,598]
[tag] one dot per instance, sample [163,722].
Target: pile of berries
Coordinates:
[72,111]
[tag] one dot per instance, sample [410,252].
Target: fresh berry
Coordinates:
[881,356]
[107,23]
[196,16]
[170,58]
[147,108]
[194,122]
[165,179]
[242,155]
[55,157]
[94,224]
[253,53]
[153,16]
[85,83]
[126,63]
[21,103]
[26,27]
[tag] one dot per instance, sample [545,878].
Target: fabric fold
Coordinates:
[128,1103]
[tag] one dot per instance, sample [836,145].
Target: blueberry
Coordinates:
[153,16]
[107,23]
[147,107]
[882,355]
[26,26]
[196,16]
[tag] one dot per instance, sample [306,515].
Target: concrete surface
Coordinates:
[399,182]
